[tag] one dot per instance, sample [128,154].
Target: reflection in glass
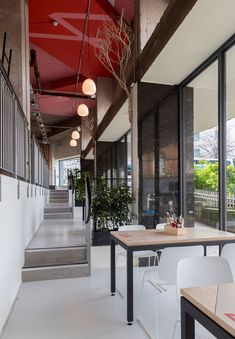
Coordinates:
[230,111]
[129,165]
[147,168]
[201,148]
[65,166]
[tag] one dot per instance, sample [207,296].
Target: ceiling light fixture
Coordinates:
[75,135]
[73,143]
[89,87]
[83,110]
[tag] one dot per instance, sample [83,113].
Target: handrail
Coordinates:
[6,78]
[19,158]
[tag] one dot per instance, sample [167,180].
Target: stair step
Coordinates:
[59,196]
[53,201]
[55,256]
[63,194]
[58,191]
[58,215]
[58,210]
[55,272]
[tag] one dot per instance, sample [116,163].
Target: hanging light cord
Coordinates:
[81,50]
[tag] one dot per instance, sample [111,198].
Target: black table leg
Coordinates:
[187,323]
[205,250]
[113,267]
[129,286]
[220,249]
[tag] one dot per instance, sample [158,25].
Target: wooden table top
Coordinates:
[217,302]
[159,237]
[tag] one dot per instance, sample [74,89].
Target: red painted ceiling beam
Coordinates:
[63,82]
[108,8]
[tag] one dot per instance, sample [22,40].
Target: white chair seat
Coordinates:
[165,274]
[153,277]
[228,252]
[138,254]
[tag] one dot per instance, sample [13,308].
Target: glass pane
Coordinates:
[129,159]
[147,170]
[230,109]
[201,149]
[65,166]
[167,158]
[122,159]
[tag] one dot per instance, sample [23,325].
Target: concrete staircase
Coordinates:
[55,263]
[58,205]
[58,262]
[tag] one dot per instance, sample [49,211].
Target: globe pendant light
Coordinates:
[73,143]
[75,135]
[89,87]
[83,110]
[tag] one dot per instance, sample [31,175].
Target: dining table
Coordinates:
[212,306]
[153,239]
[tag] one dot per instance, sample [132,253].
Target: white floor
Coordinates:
[82,308]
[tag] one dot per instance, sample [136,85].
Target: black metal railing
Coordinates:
[39,166]
[15,153]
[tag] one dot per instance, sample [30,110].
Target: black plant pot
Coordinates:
[79,203]
[101,237]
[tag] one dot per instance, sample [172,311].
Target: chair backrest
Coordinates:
[193,272]
[228,252]
[161,226]
[170,257]
[132,228]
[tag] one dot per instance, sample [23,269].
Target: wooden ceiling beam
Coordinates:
[171,19]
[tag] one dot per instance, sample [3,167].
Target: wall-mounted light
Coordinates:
[83,110]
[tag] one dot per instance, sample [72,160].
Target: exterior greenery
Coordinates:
[206,177]
[110,205]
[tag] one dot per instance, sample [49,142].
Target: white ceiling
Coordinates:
[118,126]
[209,24]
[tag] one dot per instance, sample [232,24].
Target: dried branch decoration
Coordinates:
[114,40]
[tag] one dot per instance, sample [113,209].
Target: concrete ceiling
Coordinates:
[119,125]
[209,24]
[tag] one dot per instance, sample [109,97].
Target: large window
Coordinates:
[230,142]
[66,165]
[202,166]
[208,141]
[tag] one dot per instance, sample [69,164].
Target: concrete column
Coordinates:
[14,21]
[104,96]
[150,14]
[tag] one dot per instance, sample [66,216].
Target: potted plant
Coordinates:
[80,187]
[110,209]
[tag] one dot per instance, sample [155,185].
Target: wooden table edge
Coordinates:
[207,312]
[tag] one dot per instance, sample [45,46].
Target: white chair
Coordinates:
[165,275]
[194,272]
[228,252]
[161,226]
[137,254]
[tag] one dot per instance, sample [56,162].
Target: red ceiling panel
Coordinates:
[58,47]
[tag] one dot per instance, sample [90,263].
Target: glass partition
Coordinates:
[230,133]
[64,166]
[200,104]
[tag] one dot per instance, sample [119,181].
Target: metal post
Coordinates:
[187,323]
[113,267]
[129,267]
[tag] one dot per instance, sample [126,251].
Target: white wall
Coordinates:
[19,219]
